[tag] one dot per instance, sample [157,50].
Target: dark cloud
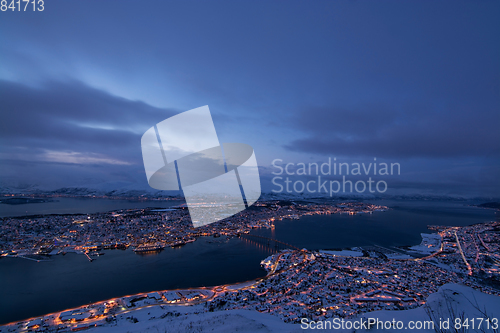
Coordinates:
[395,79]
[72,118]
[414,131]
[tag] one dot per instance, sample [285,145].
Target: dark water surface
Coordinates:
[29,288]
[399,226]
[80,205]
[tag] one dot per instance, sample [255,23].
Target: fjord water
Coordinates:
[401,225]
[29,288]
[80,205]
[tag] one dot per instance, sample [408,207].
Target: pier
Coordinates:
[88,257]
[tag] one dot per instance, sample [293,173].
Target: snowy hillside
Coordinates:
[221,321]
[451,301]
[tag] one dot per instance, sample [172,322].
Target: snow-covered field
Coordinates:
[398,256]
[430,244]
[345,253]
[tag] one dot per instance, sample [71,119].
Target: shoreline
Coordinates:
[216,290]
[237,283]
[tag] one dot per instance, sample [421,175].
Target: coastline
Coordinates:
[282,264]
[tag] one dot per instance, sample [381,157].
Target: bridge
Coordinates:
[268,241]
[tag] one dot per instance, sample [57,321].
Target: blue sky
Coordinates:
[413,82]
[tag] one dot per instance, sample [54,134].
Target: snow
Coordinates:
[345,253]
[241,285]
[398,256]
[221,321]
[451,301]
[430,244]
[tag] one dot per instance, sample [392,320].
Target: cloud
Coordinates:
[412,131]
[79,158]
[67,134]
[72,122]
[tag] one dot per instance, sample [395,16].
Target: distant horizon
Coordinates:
[85,192]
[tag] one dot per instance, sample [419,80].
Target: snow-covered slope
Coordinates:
[222,321]
[451,301]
